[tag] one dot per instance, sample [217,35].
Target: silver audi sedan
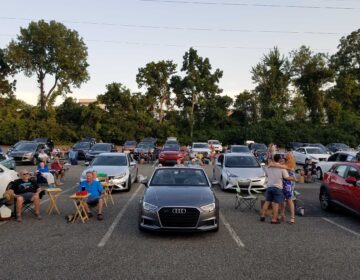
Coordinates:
[180,199]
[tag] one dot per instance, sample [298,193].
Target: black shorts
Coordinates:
[93,202]
[28,197]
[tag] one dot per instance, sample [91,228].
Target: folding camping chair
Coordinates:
[27,206]
[246,194]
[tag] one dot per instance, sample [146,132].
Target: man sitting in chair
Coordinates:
[95,199]
[26,190]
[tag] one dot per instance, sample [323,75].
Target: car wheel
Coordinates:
[222,184]
[128,184]
[325,200]
[319,173]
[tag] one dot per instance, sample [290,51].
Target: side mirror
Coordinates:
[351,180]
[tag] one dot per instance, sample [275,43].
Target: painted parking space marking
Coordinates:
[117,219]
[232,232]
[342,227]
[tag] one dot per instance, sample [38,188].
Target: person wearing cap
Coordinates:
[26,190]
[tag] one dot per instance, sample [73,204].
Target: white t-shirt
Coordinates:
[276,176]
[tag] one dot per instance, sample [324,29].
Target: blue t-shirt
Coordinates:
[95,189]
[43,170]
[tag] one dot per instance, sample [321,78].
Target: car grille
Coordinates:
[18,158]
[189,218]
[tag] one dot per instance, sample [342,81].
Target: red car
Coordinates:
[341,186]
[170,154]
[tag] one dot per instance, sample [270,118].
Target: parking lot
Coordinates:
[319,245]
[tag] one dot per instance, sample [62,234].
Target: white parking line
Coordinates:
[232,231]
[342,227]
[117,219]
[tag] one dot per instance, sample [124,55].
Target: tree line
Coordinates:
[299,96]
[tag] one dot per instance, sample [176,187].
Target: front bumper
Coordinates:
[258,183]
[152,221]
[119,184]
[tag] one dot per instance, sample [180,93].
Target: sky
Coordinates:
[123,36]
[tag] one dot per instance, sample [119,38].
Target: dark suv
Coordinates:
[82,147]
[28,152]
[98,149]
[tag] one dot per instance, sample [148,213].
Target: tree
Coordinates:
[310,75]
[346,63]
[272,76]
[156,78]
[50,49]
[6,87]
[198,83]
[245,108]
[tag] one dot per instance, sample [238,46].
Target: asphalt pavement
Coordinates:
[319,245]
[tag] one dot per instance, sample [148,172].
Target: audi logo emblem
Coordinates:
[178,211]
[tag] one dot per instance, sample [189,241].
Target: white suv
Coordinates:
[200,148]
[7,177]
[216,144]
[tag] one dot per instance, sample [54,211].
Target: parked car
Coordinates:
[121,169]
[232,167]
[178,198]
[293,146]
[28,152]
[98,149]
[7,178]
[146,150]
[47,141]
[304,153]
[8,162]
[130,146]
[91,140]
[170,154]
[324,149]
[216,144]
[334,147]
[15,145]
[149,140]
[239,149]
[342,156]
[259,150]
[200,148]
[341,186]
[82,147]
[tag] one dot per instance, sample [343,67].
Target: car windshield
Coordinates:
[200,145]
[100,147]
[110,161]
[144,146]
[26,147]
[179,177]
[261,147]
[214,142]
[240,149]
[171,148]
[313,151]
[241,162]
[83,145]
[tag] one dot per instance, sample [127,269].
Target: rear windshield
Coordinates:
[200,145]
[240,149]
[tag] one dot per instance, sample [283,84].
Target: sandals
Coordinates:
[100,217]
[292,221]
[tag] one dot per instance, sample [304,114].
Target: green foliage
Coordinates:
[6,87]
[44,49]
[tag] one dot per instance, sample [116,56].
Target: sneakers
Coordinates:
[100,217]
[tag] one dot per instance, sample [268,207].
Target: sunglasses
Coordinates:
[25,174]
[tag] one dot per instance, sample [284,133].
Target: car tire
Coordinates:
[319,173]
[325,200]
[128,184]
[136,176]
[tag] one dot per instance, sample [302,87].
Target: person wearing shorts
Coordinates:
[274,193]
[95,189]
[26,191]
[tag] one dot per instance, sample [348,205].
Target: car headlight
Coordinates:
[230,175]
[208,208]
[122,175]
[149,207]
[28,155]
